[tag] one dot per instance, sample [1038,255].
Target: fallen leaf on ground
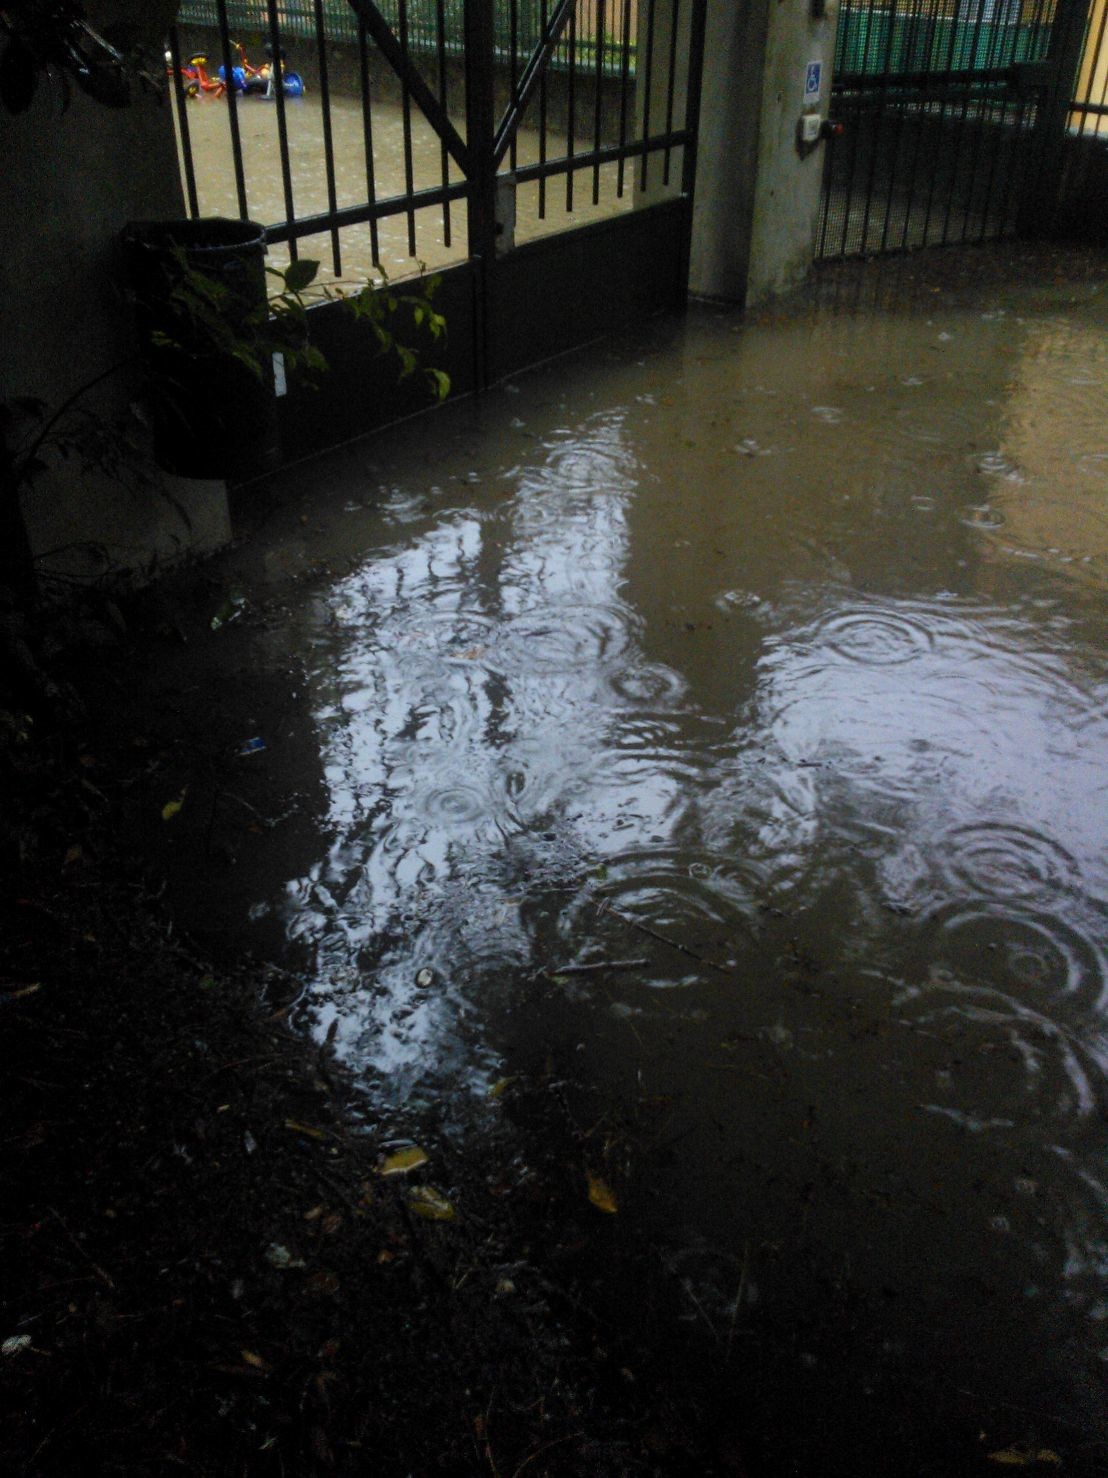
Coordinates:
[171,808]
[401,1161]
[298,1128]
[432,1205]
[601,1194]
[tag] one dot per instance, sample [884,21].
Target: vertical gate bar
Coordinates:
[1095,53]
[232,110]
[1082,104]
[942,126]
[674,22]
[924,123]
[825,203]
[859,113]
[902,108]
[277,81]
[886,69]
[571,102]
[624,84]
[1029,105]
[996,127]
[406,115]
[481,200]
[698,20]
[513,47]
[598,43]
[367,139]
[440,20]
[966,100]
[328,138]
[183,121]
[991,128]
[648,82]
[1038,197]
[542,120]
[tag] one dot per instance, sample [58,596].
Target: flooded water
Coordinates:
[767,654]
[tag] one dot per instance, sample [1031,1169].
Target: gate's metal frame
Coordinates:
[588,275]
[950,113]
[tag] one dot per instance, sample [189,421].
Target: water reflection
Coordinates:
[760,657]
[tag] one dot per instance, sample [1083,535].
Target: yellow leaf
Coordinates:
[400,1162]
[255,1360]
[307,1129]
[432,1205]
[601,1194]
[500,1086]
[171,808]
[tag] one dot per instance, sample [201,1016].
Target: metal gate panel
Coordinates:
[582,112]
[939,102]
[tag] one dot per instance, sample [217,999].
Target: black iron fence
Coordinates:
[564,109]
[937,102]
[518,28]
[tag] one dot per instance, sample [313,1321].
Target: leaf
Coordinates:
[430,1204]
[172,808]
[400,1162]
[500,1087]
[298,1128]
[601,1194]
[440,382]
[23,991]
[300,274]
[255,1360]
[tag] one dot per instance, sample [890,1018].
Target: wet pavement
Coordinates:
[767,653]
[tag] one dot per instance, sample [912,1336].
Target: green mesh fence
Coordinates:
[297,19]
[873,42]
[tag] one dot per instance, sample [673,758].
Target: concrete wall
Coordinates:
[71,180]
[757,193]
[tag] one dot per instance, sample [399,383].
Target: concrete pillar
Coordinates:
[758,190]
[72,180]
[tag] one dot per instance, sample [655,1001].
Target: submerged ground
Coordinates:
[669,793]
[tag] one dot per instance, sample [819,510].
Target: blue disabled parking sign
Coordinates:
[813,82]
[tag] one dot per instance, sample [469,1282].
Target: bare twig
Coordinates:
[95,1266]
[595,966]
[672,943]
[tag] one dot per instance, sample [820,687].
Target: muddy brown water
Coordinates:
[769,653]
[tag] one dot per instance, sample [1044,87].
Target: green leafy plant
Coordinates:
[207,322]
[204,325]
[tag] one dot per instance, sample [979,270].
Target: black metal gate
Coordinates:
[945,106]
[504,121]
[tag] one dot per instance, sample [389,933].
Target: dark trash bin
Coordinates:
[212,415]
